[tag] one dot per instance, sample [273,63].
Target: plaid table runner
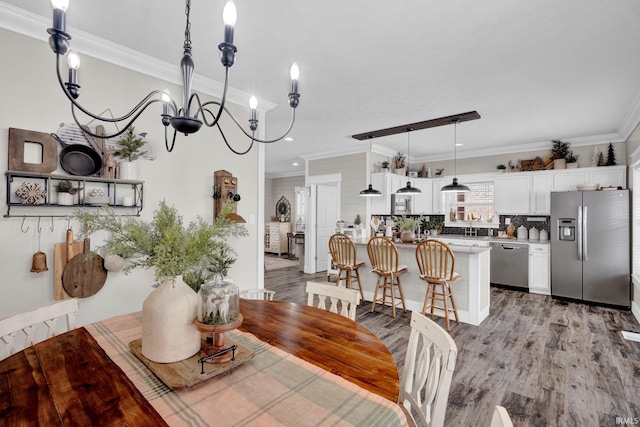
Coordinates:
[273,389]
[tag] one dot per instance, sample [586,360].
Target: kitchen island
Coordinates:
[471,291]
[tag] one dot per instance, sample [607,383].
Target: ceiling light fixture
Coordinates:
[193,113]
[454,187]
[408,189]
[370,191]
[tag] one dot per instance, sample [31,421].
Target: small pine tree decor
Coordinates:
[130,145]
[611,156]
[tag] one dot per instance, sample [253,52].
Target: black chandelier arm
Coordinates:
[166,141]
[201,106]
[136,111]
[251,135]
[224,138]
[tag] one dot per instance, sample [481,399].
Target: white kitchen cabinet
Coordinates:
[609,176]
[423,202]
[566,180]
[539,269]
[540,194]
[511,194]
[438,203]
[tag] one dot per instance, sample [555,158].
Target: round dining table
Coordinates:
[327,340]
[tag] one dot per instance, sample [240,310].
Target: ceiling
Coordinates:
[533,70]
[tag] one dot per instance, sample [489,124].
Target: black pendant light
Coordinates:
[370,191]
[454,187]
[408,189]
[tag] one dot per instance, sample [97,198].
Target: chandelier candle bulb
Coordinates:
[253,121]
[295,75]
[229,17]
[59,14]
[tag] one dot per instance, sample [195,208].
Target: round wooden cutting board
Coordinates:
[85,274]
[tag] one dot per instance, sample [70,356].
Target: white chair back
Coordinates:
[27,323]
[501,418]
[330,295]
[257,294]
[427,372]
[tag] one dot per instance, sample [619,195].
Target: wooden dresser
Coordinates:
[275,237]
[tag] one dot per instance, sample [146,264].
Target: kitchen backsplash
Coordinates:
[516,220]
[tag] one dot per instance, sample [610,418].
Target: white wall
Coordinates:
[32,100]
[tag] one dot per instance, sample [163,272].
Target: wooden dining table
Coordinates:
[88,376]
[333,342]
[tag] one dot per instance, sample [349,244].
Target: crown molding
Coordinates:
[35,26]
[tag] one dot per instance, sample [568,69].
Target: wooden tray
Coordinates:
[186,373]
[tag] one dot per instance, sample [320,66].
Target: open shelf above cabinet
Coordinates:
[125,195]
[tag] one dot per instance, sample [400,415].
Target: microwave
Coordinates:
[401,204]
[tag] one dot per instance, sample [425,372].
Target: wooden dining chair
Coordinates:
[383,255]
[428,369]
[436,264]
[329,296]
[261,294]
[28,324]
[501,418]
[343,254]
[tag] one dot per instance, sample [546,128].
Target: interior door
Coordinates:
[327,215]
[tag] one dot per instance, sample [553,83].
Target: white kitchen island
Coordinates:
[471,291]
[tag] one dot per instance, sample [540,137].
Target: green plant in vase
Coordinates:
[407,225]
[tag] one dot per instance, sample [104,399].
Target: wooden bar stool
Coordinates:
[343,253]
[383,255]
[436,264]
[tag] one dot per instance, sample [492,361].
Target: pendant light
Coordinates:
[408,189]
[454,187]
[370,192]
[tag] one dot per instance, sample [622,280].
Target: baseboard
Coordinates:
[635,309]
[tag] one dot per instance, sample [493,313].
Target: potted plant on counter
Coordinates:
[434,227]
[407,225]
[130,149]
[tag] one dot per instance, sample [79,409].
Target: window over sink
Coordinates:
[473,209]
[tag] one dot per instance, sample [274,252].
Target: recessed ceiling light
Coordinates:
[288,139]
[459,144]
[295,164]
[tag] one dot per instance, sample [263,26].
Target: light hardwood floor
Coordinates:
[549,362]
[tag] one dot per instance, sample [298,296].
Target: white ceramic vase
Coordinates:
[168,332]
[65,199]
[127,170]
[572,165]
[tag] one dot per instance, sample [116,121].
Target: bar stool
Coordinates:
[384,262]
[436,264]
[343,254]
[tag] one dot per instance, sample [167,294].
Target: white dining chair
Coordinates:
[28,324]
[330,295]
[262,294]
[427,372]
[501,418]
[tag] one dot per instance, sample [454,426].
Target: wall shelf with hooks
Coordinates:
[39,194]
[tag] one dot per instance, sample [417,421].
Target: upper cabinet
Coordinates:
[540,193]
[423,202]
[387,184]
[511,194]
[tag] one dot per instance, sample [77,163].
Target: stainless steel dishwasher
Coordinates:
[510,264]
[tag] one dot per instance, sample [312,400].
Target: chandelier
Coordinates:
[194,113]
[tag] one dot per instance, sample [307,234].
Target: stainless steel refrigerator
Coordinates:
[590,256]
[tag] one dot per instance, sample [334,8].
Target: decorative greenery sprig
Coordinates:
[130,145]
[64,186]
[405,223]
[165,244]
[560,149]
